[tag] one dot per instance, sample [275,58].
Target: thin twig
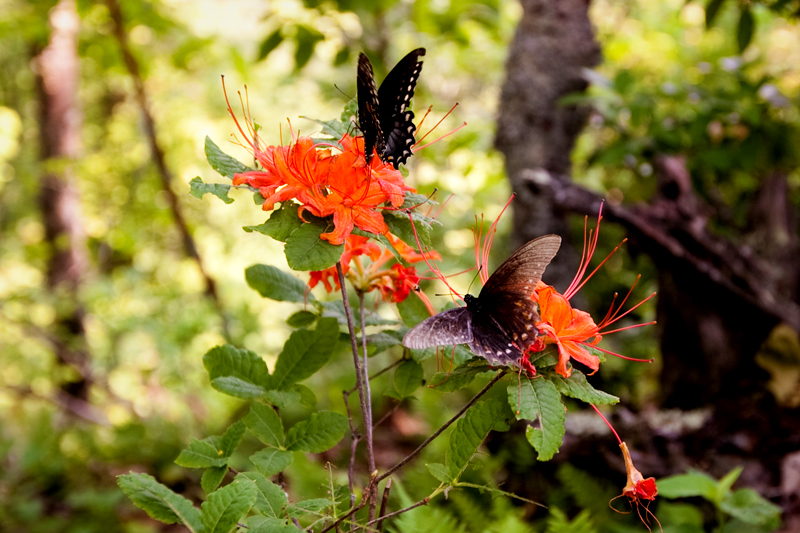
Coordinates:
[378,373]
[401,511]
[384,501]
[368,413]
[160,161]
[296,522]
[348,514]
[387,415]
[441,429]
[354,438]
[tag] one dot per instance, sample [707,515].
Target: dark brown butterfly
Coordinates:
[383,117]
[498,324]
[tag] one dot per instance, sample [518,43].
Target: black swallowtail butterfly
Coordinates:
[498,324]
[382,116]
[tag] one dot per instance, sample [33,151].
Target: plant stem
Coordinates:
[401,511]
[373,495]
[384,501]
[441,429]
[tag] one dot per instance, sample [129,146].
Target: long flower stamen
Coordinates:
[424,253]
[616,354]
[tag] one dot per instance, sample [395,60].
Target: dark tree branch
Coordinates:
[158,157]
[384,502]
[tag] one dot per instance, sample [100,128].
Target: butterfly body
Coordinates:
[383,114]
[498,324]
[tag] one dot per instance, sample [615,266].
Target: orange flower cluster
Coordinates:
[394,284]
[325,180]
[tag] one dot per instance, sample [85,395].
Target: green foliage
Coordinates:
[470,431]
[270,498]
[236,372]
[317,434]
[159,502]
[200,189]
[538,399]
[461,376]
[306,251]
[577,387]
[282,222]
[408,378]
[226,165]
[265,424]
[558,522]
[275,284]
[225,507]
[271,461]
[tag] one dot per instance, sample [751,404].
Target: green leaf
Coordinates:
[202,454]
[724,485]
[239,373]
[306,251]
[744,31]
[222,162]
[270,498]
[198,189]
[281,223]
[275,284]
[212,477]
[305,352]
[295,394]
[265,424]
[225,507]
[317,434]
[269,44]
[231,439]
[576,386]
[313,506]
[266,524]
[470,431]
[712,8]
[412,311]
[413,200]
[335,309]
[271,460]
[408,378]
[539,399]
[440,472]
[301,319]
[688,486]
[159,502]
[380,342]
[459,378]
[748,506]
[400,226]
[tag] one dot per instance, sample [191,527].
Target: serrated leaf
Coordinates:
[212,477]
[744,30]
[380,342]
[688,486]
[225,507]
[159,502]
[312,506]
[306,251]
[265,524]
[269,44]
[301,319]
[271,460]
[295,394]
[400,226]
[275,284]
[470,431]
[281,223]
[270,498]
[265,424]
[440,472]
[459,378]
[305,352]
[412,200]
[222,162]
[408,378]
[202,454]
[576,386]
[335,309]
[236,372]
[748,506]
[319,433]
[712,8]
[198,189]
[539,400]
[231,439]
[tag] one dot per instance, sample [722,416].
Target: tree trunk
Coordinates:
[58,72]
[553,43]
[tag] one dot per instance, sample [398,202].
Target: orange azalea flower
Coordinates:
[572,330]
[395,284]
[323,182]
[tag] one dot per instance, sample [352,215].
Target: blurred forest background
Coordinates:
[114,281]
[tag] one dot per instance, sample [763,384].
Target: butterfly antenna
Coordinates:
[474,277]
[343,93]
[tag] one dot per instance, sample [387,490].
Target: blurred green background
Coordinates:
[139,390]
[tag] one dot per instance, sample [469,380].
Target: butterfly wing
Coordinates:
[506,298]
[453,326]
[489,342]
[396,121]
[369,121]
